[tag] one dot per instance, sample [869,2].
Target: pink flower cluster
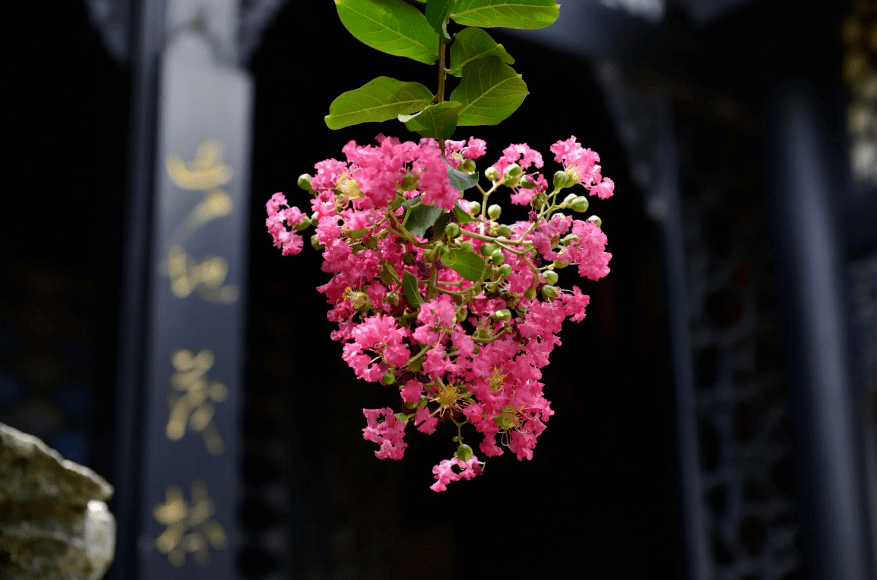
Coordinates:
[460,350]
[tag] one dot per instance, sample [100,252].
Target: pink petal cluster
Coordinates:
[388,433]
[582,164]
[447,359]
[444,473]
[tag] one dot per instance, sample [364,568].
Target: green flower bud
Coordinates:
[504,231]
[409,182]
[504,314]
[389,378]
[491,173]
[513,170]
[304,182]
[464,452]
[494,211]
[467,166]
[474,208]
[596,221]
[550,293]
[551,277]
[392,299]
[396,203]
[530,293]
[487,249]
[527,184]
[466,246]
[429,255]
[505,270]
[562,180]
[305,224]
[315,243]
[580,204]
[568,200]
[569,238]
[497,258]
[560,265]
[462,314]
[452,230]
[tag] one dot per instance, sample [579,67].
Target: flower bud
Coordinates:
[504,231]
[530,293]
[562,180]
[551,277]
[429,255]
[513,170]
[396,203]
[568,200]
[487,249]
[467,166]
[474,208]
[491,173]
[315,243]
[494,211]
[392,299]
[527,184]
[466,246]
[497,258]
[452,230]
[409,182]
[461,315]
[504,314]
[305,224]
[389,378]
[464,452]
[304,182]
[596,221]
[550,293]
[505,270]
[560,265]
[580,204]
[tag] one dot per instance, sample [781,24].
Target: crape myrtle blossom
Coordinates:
[452,308]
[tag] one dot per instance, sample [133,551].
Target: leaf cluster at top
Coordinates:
[489,90]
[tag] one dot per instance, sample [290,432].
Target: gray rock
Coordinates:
[54,524]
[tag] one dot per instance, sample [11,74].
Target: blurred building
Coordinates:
[716,413]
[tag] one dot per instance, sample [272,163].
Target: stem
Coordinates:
[440,96]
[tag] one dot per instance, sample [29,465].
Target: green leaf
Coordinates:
[508,13]
[467,264]
[437,11]
[419,219]
[490,91]
[381,99]
[388,274]
[462,216]
[391,26]
[436,121]
[471,44]
[460,180]
[409,288]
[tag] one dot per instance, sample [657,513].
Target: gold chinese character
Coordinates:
[188,526]
[193,403]
[206,173]
[206,277]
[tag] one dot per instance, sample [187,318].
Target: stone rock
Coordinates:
[54,522]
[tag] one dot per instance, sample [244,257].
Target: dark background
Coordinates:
[601,497]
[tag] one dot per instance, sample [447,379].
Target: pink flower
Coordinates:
[520,154]
[388,433]
[289,241]
[425,423]
[444,473]
[413,391]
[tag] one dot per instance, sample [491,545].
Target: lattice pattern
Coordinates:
[741,392]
